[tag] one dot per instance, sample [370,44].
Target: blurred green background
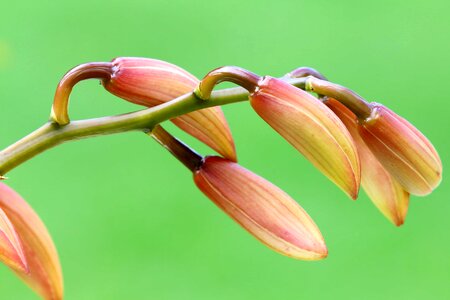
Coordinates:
[126,217]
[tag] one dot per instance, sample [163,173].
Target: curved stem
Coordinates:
[242,77]
[99,70]
[350,99]
[304,72]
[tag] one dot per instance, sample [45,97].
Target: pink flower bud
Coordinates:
[312,128]
[403,150]
[382,188]
[11,252]
[151,82]
[261,208]
[44,271]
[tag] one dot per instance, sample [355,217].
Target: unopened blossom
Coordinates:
[43,271]
[382,188]
[11,251]
[261,208]
[150,82]
[402,149]
[312,128]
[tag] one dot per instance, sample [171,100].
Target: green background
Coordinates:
[126,217]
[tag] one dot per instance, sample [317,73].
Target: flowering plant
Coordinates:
[350,140]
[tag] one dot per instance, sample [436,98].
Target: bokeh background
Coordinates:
[126,217]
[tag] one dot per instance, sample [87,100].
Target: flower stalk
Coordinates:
[305,72]
[242,77]
[98,70]
[191,159]
[52,134]
[360,107]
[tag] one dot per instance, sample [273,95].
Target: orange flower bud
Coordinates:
[403,150]
[148,82]
[261,208]
[312,128]
[11,252]
[151,82]
[381,187]
[44,271]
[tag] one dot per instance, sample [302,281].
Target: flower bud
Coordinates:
[261,208]
[312,128]
[403,150]
[382,188]
[44,271]
[11,252]
[151,82]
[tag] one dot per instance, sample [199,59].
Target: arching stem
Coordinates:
[99,70]
[239,76]
[360,107]
[305,72]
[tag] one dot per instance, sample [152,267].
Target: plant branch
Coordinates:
[51,134]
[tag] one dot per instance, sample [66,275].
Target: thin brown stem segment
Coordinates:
[186,155]
[98,70]
[239,76]
[360,107]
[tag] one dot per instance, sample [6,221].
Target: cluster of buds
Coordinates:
[349,140]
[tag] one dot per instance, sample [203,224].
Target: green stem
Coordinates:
[52,134]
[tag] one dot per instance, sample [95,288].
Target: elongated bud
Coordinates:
[382,188]
[11,252]
[312,128]
[150,82]
[261,208]
[402,149]
[44,271]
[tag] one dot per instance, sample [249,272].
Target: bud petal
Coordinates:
[151,82]
[312,128]
[11,252]
[44,276]
[403,150]
[261,208]
[381,187]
